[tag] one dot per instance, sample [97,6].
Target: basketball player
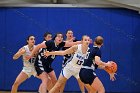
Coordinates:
[51,75]
[87,73]
[69,37]
[28,68]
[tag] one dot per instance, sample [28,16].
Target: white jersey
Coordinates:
[28,63]
[74,64]
[77,59]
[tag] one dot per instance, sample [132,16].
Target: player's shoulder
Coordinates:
[95,48]
[25,47]
[50,41]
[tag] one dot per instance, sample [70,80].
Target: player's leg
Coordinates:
[62,87]
[90,89]
[64,76]
[97,85]
[58,84]
[20,78]
[49,84]
[52,77]
[44,78]
[81,85]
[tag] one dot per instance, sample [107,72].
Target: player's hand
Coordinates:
[46,53]
[108,64]
[112,76]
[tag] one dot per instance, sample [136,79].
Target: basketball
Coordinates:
[112,68]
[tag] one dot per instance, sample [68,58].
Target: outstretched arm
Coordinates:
[69,44]
[67,51]
[20,52]
[37,48]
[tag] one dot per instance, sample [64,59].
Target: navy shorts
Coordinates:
[87,76]
[41,67]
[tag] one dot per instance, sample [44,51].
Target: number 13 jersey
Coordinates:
[77,59]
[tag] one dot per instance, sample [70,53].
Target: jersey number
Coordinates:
[32,60]
[79,62]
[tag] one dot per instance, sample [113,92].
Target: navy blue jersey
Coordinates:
[94,51]
[50,47]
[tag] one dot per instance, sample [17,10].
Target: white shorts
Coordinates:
[67,72]
[29,71]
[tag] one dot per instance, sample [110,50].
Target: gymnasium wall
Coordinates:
[119,27]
